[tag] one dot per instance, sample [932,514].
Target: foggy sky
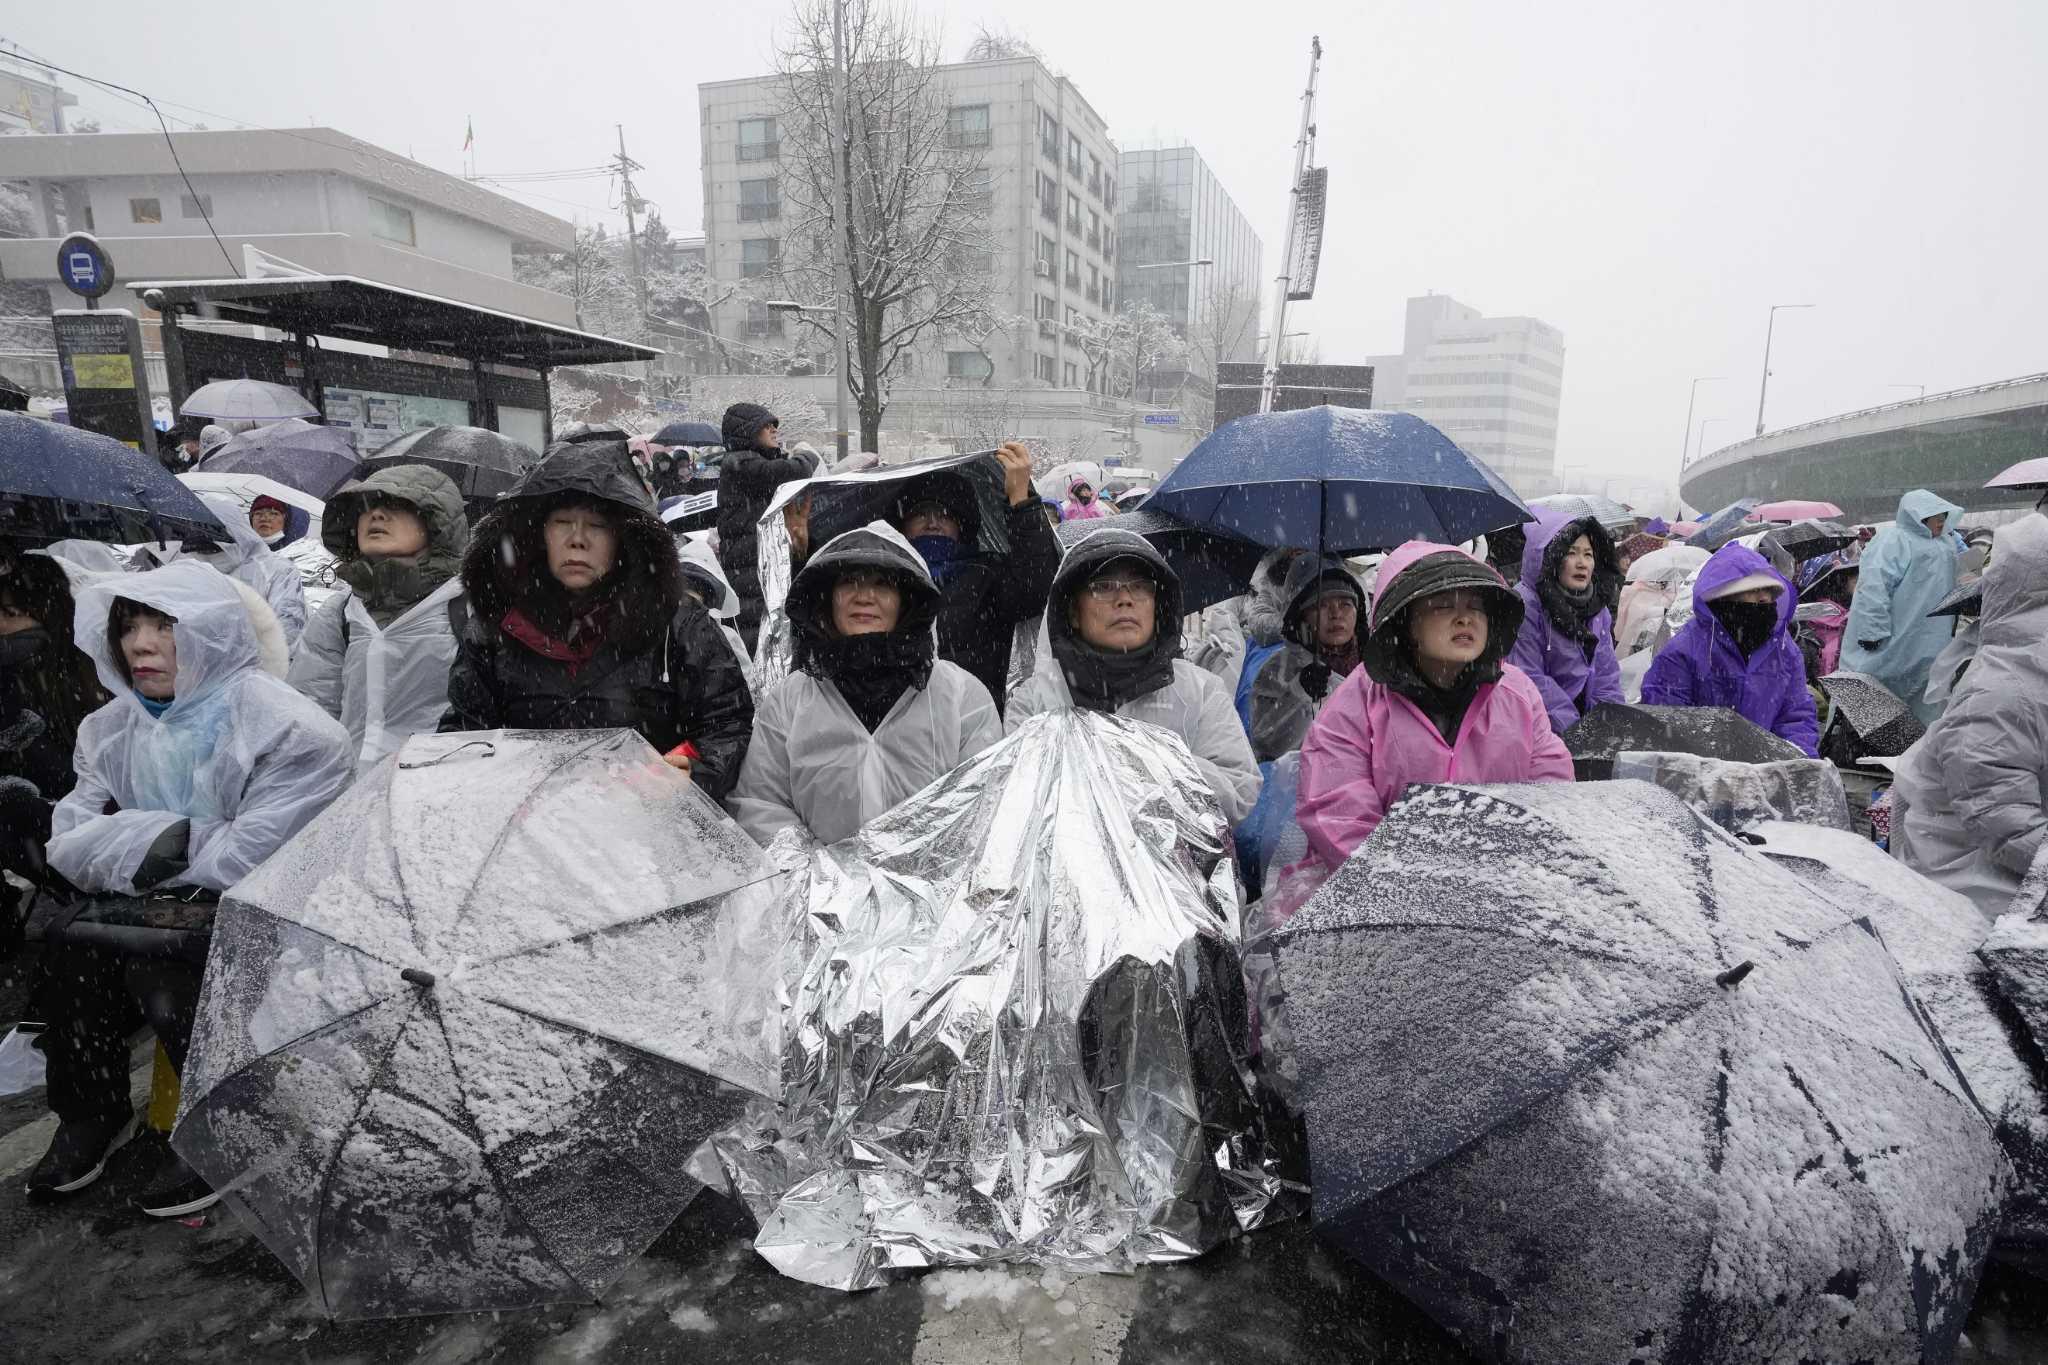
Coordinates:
[1647,177]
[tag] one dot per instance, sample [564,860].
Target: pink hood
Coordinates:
[1370,743]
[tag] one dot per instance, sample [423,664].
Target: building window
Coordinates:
[968,365]
[761,321]
[1048,198]
[978,190]
[1073,212]
[963,259]
[1095,175]
[1073,270]
[1071,375]
[1049,136]
[1048,253]
[1073,156]
[758,141]
[759,256]
[1045,367]
[1094,285]
[392,223]
[967,125]
[1109,244]
[195,205]
[145,211]
[1109,192]
[1047,310]
[760,201]
[1094,230]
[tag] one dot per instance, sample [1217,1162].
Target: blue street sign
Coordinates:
[83,266]
[1162,419]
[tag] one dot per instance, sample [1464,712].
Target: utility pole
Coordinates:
[626,167]
[842,271]
[1301,146]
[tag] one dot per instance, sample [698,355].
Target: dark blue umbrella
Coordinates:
[1341,480]
[689,434]
[314,459]
[59,483]
[1724,525]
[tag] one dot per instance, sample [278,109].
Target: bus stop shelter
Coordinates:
[464,365]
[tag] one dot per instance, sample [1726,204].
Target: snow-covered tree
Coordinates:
[1123,346]
[911,215]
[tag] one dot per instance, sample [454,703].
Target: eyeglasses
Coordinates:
[1451,604]
[1110,589]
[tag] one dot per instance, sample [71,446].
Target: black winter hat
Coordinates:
[743,422]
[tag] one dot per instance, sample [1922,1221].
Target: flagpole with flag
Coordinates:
[469,142]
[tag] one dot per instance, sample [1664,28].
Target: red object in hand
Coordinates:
[684,750]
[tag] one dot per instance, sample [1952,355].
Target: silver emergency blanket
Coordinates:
[1017,1028]
[1736,796]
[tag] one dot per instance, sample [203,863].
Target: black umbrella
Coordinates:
[461,1034]
[1211,565]
[1966,600]
[62,483]
[842,502]
[590,431]
[1883,724]
[1711,731]
[1587,1079]
[1810,538]
[483,463]
[13,397]
[697,434]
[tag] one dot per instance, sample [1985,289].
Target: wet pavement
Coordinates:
[87,1280]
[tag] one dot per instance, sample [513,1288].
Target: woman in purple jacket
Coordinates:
[1571,576]
[1738,652]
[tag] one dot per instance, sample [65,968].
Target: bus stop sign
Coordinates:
[83,265]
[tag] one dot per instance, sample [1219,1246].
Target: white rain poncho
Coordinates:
[702,570]
[1971,803]
[239,754]
[385,683]
[813,763]
[246,559]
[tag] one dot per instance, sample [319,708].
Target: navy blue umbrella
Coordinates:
[689,434]
[1211,566]
[299,454]
[1723,526]
[59,483]
[1340,480]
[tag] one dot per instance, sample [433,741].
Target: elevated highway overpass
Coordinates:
[1948,442]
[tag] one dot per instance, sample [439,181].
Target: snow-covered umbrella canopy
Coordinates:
[460,1035]
[1053,483]
[309,457]
[1615,516]
[246,400]
[1613,728]
[1884,724]
[1669,565]
[1588,1079]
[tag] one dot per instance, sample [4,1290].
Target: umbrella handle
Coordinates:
[1732,977]
[418,976]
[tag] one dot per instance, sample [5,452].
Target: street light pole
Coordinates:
[1706,422]
[1285,283]
[842,147]
[1770,326]
[1685,453]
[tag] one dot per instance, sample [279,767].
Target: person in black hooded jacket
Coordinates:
[580,621]
[753,468]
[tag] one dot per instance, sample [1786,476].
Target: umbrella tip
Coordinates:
[1733,976]
[424,979]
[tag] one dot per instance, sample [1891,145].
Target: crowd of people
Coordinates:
[172,720]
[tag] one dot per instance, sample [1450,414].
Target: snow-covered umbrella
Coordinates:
[1795,509]
[1588,1079]
[1613,728]
[1720,527]
[1671,564]
[1053,483]
[459,1036]
[1615,516]
[246,400]
[305,455]
[1812,537]
[1884,725]
[483,463]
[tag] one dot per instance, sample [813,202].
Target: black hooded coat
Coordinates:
[747,480]
[660,665]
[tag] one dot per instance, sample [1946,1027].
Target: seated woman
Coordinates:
[1113,635]
[1433,701]
[580,620]
[1320,629]
[376,655]
[1737,650]
[869,714]
[201,766]
[47,688]
[1969,808]
[1570,575]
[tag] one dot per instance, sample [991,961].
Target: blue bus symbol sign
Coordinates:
[83,267]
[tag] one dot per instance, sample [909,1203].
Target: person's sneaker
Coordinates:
[78,1154]
[177,1192]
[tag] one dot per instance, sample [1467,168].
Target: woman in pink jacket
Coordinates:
[1434,701]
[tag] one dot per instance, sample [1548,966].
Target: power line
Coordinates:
[198,202]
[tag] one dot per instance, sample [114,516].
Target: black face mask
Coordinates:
[19,648]
[1751,624]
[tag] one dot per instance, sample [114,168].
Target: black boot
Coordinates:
[78,1154]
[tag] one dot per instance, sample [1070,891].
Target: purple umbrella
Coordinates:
[313,459]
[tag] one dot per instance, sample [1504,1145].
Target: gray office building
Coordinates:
[1175,209]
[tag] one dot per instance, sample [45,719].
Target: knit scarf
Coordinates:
[388,588]
[581,642]
[941,555]
[871,671]
[1105,679]
[1570,611]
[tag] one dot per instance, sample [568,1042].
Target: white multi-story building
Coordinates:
[1493,385]
[315,197]
[1051,205]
